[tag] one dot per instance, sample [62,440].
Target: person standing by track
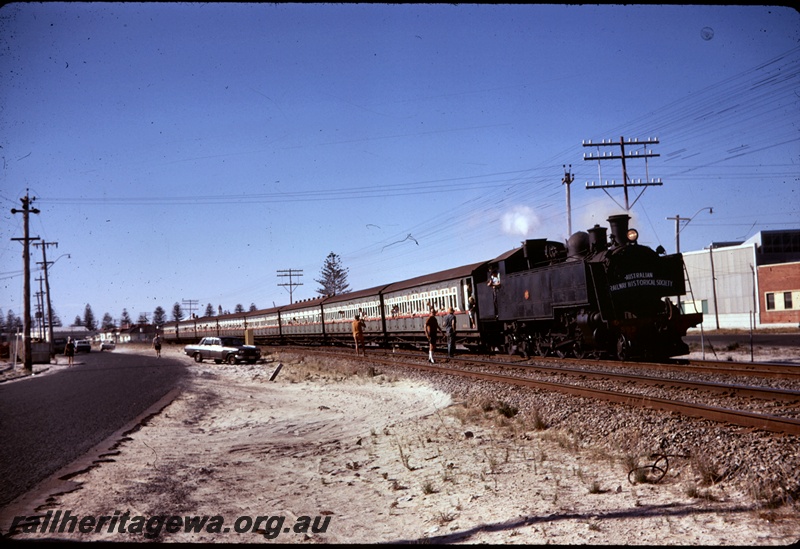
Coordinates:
[450,332]
[432,330]
[358,334]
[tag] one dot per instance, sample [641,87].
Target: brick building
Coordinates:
[779,293]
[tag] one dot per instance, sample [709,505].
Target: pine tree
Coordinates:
[209,310]
[333,277]
[125,320]
[108,322]
[177,313]
[160,316]
[88,318]
[12,322]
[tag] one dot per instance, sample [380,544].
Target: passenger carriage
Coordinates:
[406,305]
[301,322]
[265,325]
[341,310]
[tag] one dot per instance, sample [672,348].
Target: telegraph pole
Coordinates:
[568,178]
[678,230]
[26,260]
[626,181]
[45,265]
[191,304]
[289,273]
[40,309]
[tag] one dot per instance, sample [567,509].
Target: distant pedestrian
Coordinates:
[157,345]
[358,334]
[432,332]
[69,351]
[450,332]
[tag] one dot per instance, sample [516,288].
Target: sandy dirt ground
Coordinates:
[370,457]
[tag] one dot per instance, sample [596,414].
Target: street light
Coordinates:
[686,221]
[678,230]
[59,257]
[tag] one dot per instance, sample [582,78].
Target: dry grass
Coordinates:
[705,468]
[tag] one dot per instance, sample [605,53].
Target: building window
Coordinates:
[770,302]
[787,300]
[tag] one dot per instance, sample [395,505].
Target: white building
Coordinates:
[723,279]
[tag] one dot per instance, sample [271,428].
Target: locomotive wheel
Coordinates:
[623,348]
[542,346]
[577,350]
[510,347]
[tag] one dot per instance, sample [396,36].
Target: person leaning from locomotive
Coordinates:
[494,277]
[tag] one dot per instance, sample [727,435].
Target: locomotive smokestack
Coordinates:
[597,239]
[619,228]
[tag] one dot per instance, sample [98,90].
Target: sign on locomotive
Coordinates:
[600,294]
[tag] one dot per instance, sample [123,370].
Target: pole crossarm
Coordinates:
[290,273]
[623,156]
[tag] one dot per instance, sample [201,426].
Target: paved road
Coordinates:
[48,421]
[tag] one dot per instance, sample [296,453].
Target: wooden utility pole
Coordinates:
[713,283]
[190,304]
[290,284]
[568,178]
[623,156]
[44,265]
[26,261]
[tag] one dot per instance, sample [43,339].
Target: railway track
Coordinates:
[715,367]
[755,406]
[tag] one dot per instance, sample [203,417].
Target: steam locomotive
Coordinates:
[600,295]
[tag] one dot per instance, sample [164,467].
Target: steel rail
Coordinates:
[737,417]
[765,393]
[714,413]
[752,369]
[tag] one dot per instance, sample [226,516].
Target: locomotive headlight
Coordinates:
[633,234]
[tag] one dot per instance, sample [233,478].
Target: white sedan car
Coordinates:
[108,346]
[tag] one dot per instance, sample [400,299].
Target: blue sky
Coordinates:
[190,151]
